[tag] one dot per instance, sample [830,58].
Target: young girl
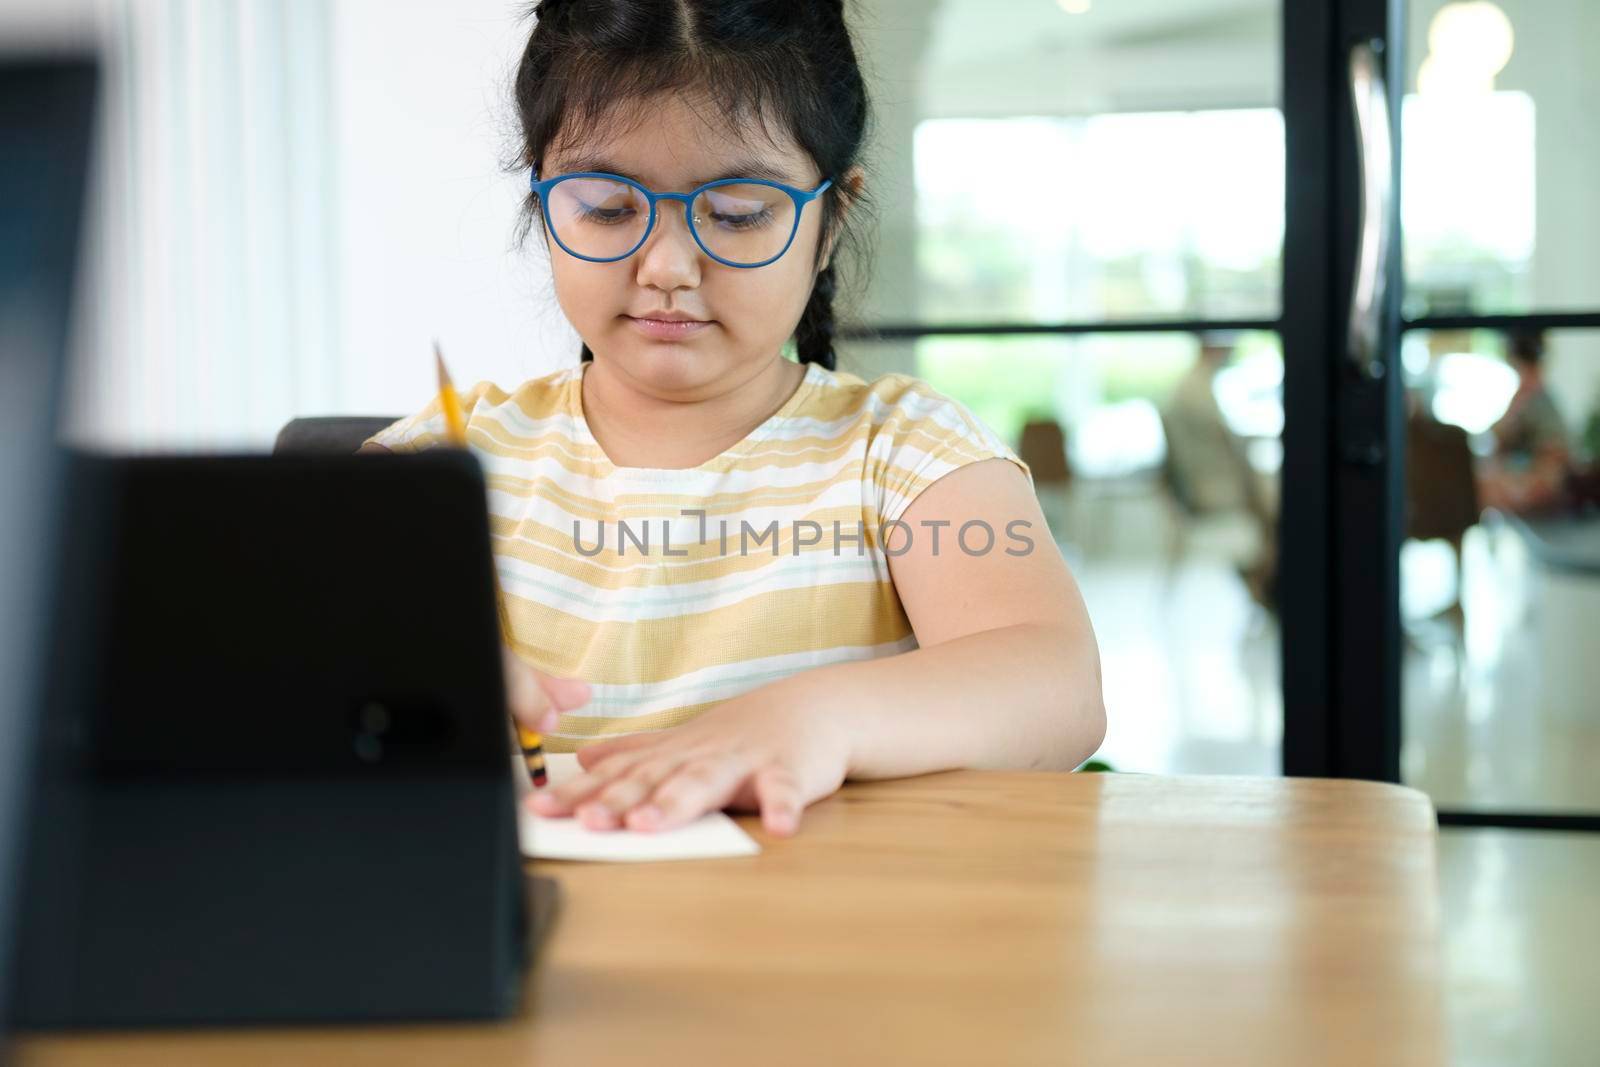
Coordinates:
[733,579]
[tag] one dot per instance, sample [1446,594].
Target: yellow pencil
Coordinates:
[456,425]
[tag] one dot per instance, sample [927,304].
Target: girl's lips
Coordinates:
[667,330]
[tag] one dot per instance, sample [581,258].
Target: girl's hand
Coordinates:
[752,752]
[535,698]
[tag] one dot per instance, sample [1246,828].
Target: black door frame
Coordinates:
[1343,469]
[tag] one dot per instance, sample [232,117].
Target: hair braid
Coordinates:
[814,332]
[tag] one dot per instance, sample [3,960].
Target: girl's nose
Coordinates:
[670,259]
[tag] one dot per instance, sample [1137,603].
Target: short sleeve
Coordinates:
[426,428]
[925,436]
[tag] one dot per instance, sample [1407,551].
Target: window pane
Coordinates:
[1157,470]
[1500,152]
[1125,162]
[1101,217]
[1500,575]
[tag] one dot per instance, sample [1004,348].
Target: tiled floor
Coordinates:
[1191,685]
[1521,947]
[1190,665]
[1502,712]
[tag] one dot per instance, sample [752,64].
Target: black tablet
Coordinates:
[280,780]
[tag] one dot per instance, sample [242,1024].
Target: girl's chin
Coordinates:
[670,365]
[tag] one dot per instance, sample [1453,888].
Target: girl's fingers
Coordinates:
[590,755]
[536,699]
[699,786]
[525,699]
[561,799]
[629,789]
[565,693]
[780,799]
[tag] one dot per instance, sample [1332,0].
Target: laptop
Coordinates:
[46,115]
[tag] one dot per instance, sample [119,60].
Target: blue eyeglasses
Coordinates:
[739,222]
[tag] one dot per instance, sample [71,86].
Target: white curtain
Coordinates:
[210,295]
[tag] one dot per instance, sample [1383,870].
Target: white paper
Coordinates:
[709,836]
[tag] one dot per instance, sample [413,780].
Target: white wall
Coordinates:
[425,213]
[1554,61]
[893,38]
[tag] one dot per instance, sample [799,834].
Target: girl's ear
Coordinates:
[854,179]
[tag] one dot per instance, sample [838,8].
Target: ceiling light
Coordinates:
[1471,35]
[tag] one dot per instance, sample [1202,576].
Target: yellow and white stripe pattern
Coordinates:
[664,632]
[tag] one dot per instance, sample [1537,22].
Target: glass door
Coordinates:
[1500,359]
[1240,279]
[1450,487]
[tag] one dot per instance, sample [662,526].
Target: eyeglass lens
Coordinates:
[604,219]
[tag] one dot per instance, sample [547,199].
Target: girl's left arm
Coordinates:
[1007,675]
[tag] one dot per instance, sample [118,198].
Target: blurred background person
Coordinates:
[1207,471]
[1527,470]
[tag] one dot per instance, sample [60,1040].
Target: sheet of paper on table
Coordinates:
[709,836]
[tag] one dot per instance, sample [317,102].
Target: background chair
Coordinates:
[1182,509]
[1243,527]
[328,434]
[1441,493]
[1043,447]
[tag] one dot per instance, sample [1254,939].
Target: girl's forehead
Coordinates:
[667,141]
[686,173]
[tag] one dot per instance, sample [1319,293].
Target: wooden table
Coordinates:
[968,918]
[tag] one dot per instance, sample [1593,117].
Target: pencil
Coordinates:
[456,426]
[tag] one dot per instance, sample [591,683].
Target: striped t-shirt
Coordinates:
[671,590]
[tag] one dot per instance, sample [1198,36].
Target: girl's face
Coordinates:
[751,311]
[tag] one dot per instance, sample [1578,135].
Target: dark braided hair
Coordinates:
[792,61]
